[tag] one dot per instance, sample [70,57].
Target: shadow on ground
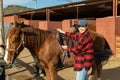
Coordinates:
[111,74]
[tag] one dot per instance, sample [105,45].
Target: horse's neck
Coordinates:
[35,40]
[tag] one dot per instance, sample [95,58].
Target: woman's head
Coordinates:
[81,26]
[82,23]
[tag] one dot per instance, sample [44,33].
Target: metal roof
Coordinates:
[84,9]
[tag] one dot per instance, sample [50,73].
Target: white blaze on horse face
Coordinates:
[6,52]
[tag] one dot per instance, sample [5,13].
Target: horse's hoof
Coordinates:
[35,74]
[42,75]
[99,79]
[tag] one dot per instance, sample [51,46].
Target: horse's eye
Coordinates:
[13,41]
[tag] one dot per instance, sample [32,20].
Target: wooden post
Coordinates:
[1,29]
[2,50]
[77,12]
[115,4]
[48,14]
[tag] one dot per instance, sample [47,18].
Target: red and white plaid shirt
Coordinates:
[83,50]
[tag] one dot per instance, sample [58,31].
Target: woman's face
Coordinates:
[82,29]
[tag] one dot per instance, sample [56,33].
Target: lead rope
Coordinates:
[21,43]
[23,38]
[64,54]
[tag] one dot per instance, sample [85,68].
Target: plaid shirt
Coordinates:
[83,50]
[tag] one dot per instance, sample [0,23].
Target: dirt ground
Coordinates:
[24,70]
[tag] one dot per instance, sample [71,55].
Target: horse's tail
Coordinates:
[107,50]
[104,56]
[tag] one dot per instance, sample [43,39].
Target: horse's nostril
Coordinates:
[8,59]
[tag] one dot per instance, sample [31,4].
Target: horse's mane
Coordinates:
[33,36]
[37,37]
[11,31]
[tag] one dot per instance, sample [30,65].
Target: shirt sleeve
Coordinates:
[70,35]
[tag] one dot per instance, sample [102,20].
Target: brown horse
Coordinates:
[41,43]
[101,55]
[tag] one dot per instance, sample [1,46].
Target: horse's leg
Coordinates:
[53,72]
[47,73]
[99,69]
[42,72]
[38,67]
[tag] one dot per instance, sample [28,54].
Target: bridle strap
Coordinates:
[21,43]
[2,46]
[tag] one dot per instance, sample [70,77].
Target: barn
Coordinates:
[102,16]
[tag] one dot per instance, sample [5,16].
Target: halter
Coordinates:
[21,43]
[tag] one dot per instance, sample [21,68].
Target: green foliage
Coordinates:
[15,9]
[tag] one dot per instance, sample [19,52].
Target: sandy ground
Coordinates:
[24,70]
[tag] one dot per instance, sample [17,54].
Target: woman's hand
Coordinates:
[61,31]
[64,46]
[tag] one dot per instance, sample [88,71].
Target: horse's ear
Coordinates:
[16,24]
[12,23]
[22,23]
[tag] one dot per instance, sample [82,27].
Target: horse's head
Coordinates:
[14,44]
[21,24]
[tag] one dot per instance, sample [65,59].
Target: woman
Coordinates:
[83,49]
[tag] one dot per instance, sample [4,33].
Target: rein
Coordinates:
[21,43]
[65,54]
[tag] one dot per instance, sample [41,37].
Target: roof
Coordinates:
[84,9]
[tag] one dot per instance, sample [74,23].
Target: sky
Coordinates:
[32,3]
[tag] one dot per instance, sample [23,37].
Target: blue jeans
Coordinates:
[82,75]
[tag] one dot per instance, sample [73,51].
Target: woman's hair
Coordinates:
[76,29]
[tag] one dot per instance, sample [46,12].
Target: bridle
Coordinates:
[22,42]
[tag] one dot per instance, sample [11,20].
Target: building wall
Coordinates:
[106,27]
[13,19]
[43,25]
[117,33]
[117,26]
[66,24]
[52,25]
[9,19]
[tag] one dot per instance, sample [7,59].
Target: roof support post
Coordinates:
[1,29]
[77,14]
[115,3]
[47,14]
